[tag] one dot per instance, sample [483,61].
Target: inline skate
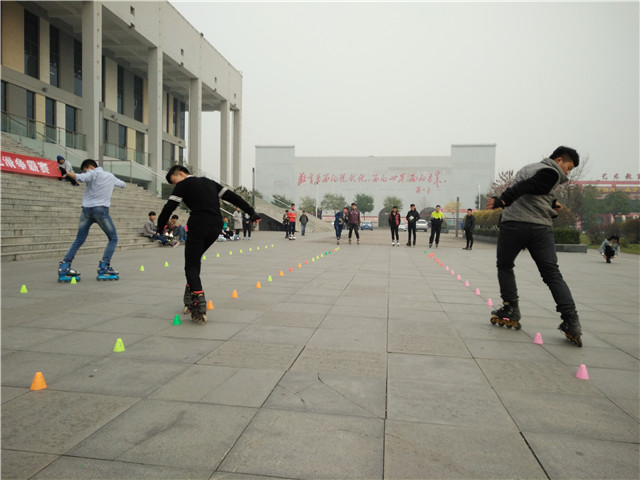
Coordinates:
[66,273]
[508,315]
[106,272]
[197,307]
[571,328]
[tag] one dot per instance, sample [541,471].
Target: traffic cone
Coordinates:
[272,245]
[119,346]
[230,252]
[240,250]
[466,283]
[489,302]
[217,255]
[38,382]
[447,268]
[313,259]
[538,339]
[436,259]
[257,286]
[582,373]
[281,273]
[269,279]
[452,272]
[142,268]
[23,289]
[477,292]
[210,305]
[257,248]
[299,265]
[166,264]
[251,249]
[73,280]
[306,262]
[458,277]
[204,257]
[176,320]
[291,269]
[234,294]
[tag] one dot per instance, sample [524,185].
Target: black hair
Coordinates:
[174,216]
[176,169]
[152,213]
[614,237]
[88,163]
[566,153]
[469,210]
[412,205]
[438,206]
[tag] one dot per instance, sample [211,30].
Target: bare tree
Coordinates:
[505,179]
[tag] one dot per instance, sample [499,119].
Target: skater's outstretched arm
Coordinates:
[539,184]
[232,197]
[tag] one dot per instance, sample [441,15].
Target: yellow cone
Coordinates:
[269,279]
[119,347]
[204,257]
[166,264]
[217,255]
[23,289]
[73,280]
[142,268]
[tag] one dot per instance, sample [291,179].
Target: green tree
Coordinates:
[616,202]
[281,201]
[365,202]
[308,204]
[390,201]
[332,201]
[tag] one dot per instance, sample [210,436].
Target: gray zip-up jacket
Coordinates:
[531,199]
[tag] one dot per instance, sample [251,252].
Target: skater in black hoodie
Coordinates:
[202,196]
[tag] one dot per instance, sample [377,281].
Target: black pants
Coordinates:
[201,237]
[539,240]
[609,252]
[246,228]
[63,171]
[394,233]
[411,227]
[469,235]
[435,231]
[353,227]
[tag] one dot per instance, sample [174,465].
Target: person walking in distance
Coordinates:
[394,223]
[469,225]
[237,221]
[353,220]
[246,226]
[292,221]
[527,220]
[412,218]
[437,218]
[202,196]
[303,222]
[95,209]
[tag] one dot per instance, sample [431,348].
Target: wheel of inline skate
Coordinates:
[494,320]
[508,325]
[518,327]
[186,309]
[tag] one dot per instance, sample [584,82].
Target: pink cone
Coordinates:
[452,272]
[458,277]
[447,268]
[477,291]
[489,302]
[466,283]
[538,339]
[582,373]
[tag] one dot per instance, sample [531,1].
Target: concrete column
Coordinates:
[92,75]
[195,124]
[155,109]
[237,124]
[224,142]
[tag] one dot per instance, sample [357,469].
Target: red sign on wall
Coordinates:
[13,162]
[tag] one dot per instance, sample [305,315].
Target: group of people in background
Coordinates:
[289,222]
[173,234]
[348,218]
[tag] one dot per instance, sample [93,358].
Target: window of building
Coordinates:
[104,82]
[168,116]
[176,106]
[105,130]
[181,155]
[31,44]
[77,67]
[50,119]
[182,119]
[140,148]
[70,124]
[54,56]
[122,142]
[31,114]
[120,89]
[137,98]
[4,96]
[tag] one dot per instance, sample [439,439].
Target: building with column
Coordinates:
[117,82]
[423,180]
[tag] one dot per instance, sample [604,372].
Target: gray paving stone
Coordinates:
[56,421]
[435,369]
[324,360]
[274,334]
[19,338]
[18,464]
[253,355]
[419,451]
[300,445]
[19,368]
[85,343]
[172,434]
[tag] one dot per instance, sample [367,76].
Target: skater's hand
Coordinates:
[494,202]
[71,175]
[557,205]
[255,218]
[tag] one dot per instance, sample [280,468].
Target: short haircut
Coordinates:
[614,237]
[437,206]
[88,163]
[176,169]
[566,153]
[174,216]
[354,203]
[395,206]
[469,210]
[152,213]
[412,205]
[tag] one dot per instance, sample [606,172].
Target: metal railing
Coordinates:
[28,128]
[125,153]
[132,172]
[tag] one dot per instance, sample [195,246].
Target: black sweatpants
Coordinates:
[411,227]
[435,231]
[469,235]
[201,236]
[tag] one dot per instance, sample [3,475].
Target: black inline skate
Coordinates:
[508,315]
[66,273]
[571,328]
[198,307]
[106,272]
[187,299]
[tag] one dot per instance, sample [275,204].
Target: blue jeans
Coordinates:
[89,216]
[304,227]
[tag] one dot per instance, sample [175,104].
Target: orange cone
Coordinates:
[38,382]
[281,273]
[210,305]
[234,294]
[257,285]
[299,265]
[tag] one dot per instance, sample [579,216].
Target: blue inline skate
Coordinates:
[66,273]
[106,272]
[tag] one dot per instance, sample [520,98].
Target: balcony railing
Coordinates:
[28,128]
[125,153]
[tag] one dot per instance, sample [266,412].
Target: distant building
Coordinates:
[116,80]
[423,180]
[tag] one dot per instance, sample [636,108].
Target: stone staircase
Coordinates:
[40,217]
[11,144]
[269,209]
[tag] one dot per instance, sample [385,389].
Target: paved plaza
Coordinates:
[363,362]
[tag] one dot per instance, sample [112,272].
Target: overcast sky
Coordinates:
[393,79]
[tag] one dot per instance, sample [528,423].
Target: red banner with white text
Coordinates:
[13,162]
